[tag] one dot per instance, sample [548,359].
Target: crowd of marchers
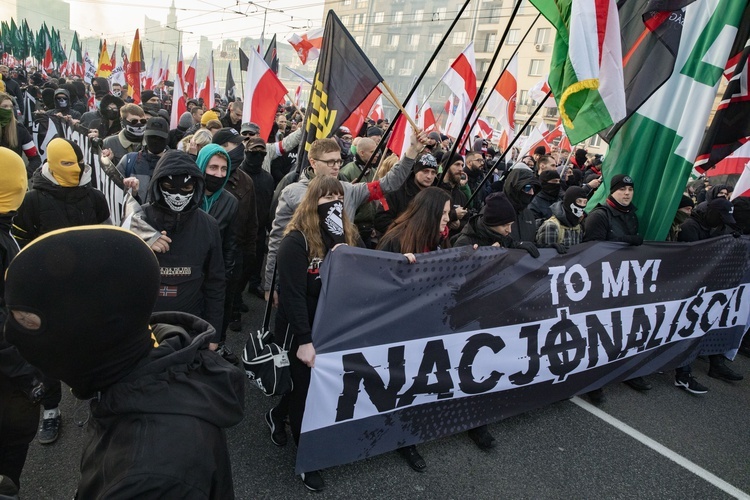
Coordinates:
[225,216]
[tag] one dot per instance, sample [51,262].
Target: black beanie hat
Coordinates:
[548,175]
[374,132]
[686,201]
[450,160]
[93,329]
[425,161]
[572,194]
[620,181]
[146,95]
[498,210]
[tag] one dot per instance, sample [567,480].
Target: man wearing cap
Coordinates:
[61,196]
[150,102]
[615,220]
[434,146]
[708,220]
[684,209]
[137,168]
[275,149]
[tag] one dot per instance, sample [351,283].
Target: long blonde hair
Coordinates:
[307,221]
[10,131]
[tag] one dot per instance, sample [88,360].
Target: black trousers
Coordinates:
[18,422]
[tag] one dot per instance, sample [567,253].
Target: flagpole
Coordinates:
[515,51]
[509,148]
[473,106]
[381,145]
[400,106]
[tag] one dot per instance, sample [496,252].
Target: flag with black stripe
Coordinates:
[343,79]
[272,56]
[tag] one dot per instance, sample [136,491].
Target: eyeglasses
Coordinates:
[330,163]
[248,134]
[135,123]
[528,188]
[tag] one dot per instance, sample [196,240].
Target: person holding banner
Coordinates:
[15,136]
[318,226]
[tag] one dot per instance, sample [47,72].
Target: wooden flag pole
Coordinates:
[398,104]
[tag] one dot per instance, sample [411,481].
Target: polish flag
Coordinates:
[377,112]
[502,100]
[539,91]
[743,183]
[536,138]
[482,129]
[190,80]
[263,93]
[402,131]
[461,78]
[179,104]
[555,133]
[358,117]
[148,81]
[298,95]
[162,75]
[427,120]
[48,64]
[307,46]
[207,89]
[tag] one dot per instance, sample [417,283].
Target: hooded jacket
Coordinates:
[159,431]
[69,111]
[696,227]
[49,206]
[192,271]
[525,227]
[476,232]
[604,223]
[141,165]
[558,230]
[96,120]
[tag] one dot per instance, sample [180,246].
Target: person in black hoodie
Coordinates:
[105,121]
[193,277]
[549,194]
[159,399]
[138,167]
[61,196]
[19,381]
[62,106]
[520,188]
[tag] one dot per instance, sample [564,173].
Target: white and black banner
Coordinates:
[406,353]
[47,127]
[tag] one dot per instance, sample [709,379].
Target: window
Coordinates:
[494,15]
[345,20]
[412,40]
[393,40]
[361,3]
[347,2]
[398,17]
[523,97]
[595,141]
[390,65]
[408,68]
[375,41]
[537,67]
[418,15]
[379,17]
[435,38]
[459,38]
[358,18]
[513,37]
[490,41]
[439,14]
[542,35]
[484,67]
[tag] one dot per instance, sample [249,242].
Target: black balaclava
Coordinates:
[173,194]
[62,99]
[572,211]
[214,183]
[551,189]
[237,155]
[254,159]
[133,133]
[156,144]
[331,217]
[94,329]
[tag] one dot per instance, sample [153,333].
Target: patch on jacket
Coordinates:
[176,271]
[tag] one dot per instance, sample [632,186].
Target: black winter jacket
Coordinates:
[159,431]
[695,228]
[541,205]
[476,232]
[193,277]
[242,187]
[397,202]
[605,223]
[49,206]
[263,184]
[225,210]
[525,227]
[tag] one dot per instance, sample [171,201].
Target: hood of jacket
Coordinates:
[43,180]
[179,376]
[175,163]
[517,179]
[476,228]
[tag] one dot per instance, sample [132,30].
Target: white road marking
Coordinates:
[662,450]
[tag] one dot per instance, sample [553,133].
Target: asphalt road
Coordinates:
[561,451]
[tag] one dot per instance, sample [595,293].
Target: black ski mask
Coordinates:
[75,322]
[254,159]
[156,144]
[214,183]
[237,155]
[331,216]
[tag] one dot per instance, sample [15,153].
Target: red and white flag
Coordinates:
[482,129]
[427,120]
[461,78]
[743,183]
[536,138]
[308,44]
[207,90]
[148,81]
[298,95]
[539,91]
[502,100]
[179,103]
[356,119]
[377,112]
[190,81]
[48,64]
[263,93]
[402,131]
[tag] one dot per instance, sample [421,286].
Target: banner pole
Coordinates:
[473,106]
[510,147]
[400,106]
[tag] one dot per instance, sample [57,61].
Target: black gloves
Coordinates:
[529,247]
[560,248]
[634,240]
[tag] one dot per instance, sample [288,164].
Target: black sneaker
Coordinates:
[596,396]
[227,354]
[413,458]
[639,384]
[278,430]
[689,383]
[312,480]
[482,437]
[49,429]
[723,372]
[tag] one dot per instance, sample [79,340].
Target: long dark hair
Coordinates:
[417,228]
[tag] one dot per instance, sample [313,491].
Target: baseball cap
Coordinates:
[249,127]
[227,134]
[158,126]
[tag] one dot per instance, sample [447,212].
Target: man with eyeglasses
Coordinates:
[474,171]
[129,139]
[325,159]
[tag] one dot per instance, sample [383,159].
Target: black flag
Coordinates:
[343,79]
[272,57]
[244,61]
[231,89]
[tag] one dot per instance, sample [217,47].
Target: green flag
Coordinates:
[659,143]
[12,46]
